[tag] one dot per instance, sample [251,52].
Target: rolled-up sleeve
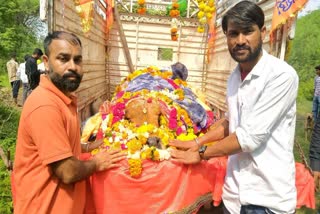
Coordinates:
[271,104]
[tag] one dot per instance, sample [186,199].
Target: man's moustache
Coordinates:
[72,75]
[238,48]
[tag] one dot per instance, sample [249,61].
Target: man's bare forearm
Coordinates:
[217,131]
[227,146]
[71,170]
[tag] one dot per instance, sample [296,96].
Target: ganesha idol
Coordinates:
[149,108]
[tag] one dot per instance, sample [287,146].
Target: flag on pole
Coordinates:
[109,12]
[285,9]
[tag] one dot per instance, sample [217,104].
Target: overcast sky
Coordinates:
[310,6]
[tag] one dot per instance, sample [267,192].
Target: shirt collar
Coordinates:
[48,85]
[258,68]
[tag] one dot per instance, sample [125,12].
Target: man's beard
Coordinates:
[253,53]
[63,83]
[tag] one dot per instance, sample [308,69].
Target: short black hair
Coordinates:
[38,51]
[13,55]
[244,14]
[26,57]
[317,67]
[70,37]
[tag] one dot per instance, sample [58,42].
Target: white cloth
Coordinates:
[262,113]
[22,72]
[41,67]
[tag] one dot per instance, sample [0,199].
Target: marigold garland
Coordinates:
[174,13]
[174,29]
[141,7]
[206,9]
[135,167]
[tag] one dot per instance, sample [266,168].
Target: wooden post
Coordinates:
[123,40]
[6,159]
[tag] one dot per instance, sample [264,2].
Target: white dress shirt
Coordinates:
[262,113]
[22,72]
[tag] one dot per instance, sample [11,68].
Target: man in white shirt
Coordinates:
[258,134]
[24,79]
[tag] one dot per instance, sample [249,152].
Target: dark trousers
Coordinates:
[251,209]
[15,85]
[26,92]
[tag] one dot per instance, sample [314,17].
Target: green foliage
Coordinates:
[9,118]
[305,52]
[306,89]
[19,29]
[6,205]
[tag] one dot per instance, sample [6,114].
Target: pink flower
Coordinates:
[118,112]
[210,118]
[173,119]
[179,131]
[99,134]
[120,94]
[173,83]
[124,146]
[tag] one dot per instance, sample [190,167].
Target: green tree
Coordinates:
[19,27]
[305,52]
[19,30]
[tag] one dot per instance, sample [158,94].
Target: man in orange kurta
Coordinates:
[48,176]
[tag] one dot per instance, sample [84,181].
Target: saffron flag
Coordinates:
[211,38]
[110,5]
[285,9]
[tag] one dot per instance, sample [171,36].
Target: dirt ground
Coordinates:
[6,96]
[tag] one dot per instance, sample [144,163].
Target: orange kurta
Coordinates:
[49,131]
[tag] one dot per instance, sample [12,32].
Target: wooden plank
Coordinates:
[123,39]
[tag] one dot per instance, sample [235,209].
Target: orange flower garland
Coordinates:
[175,12]
[174,35]
[142,8]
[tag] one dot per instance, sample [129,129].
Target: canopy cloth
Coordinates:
[163,187]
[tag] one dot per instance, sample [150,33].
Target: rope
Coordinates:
[303,157]
[196,205]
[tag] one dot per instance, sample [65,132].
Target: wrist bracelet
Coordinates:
[87,147]
[197,141]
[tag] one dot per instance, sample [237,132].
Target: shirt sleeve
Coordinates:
[273,105]
[49,134]
[19,70]
[314,150]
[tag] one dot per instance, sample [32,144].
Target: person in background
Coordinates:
[32,68]
[24,79]
[314,153]
[258,133]
[48,176]
[316,94]
[12,68]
